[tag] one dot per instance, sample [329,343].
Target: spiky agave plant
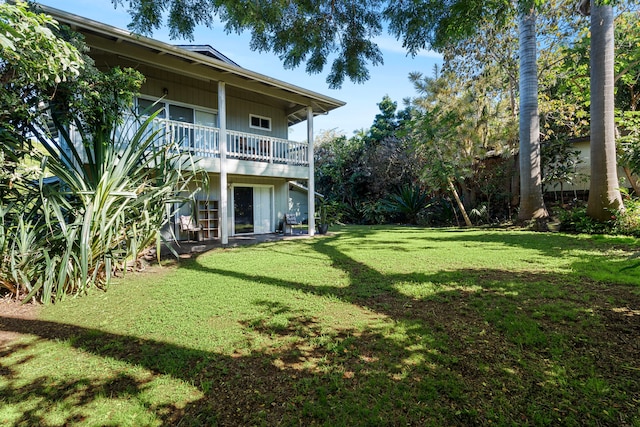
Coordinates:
[409,200]
[114,197]
[25,241]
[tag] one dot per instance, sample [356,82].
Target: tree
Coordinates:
[361,171]
[531,201]
[492,52]
[567,94]
[604,194]
[33,65]
[302,31]
[627,96]
[449,131]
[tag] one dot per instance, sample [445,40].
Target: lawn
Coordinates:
[365,326]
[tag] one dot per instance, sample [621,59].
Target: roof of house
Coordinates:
[200,61]
[207,50]
[303,189]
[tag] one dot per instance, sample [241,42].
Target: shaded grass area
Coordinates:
[367,326]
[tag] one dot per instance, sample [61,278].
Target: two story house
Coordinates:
[233,120]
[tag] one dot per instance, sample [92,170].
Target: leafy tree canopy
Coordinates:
[33,63]
[314,32]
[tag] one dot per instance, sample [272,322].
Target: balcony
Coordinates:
[204,141]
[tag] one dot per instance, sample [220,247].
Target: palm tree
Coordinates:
[604,194]
[531,201]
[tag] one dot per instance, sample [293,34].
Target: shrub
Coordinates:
[73,236]
[438,211]
[628,221]
[373,212]
[407,202]
[479,214]
[576,220]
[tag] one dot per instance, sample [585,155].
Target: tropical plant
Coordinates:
[72,215]
[439,211]
[111,202]
[577,220]
[372,212]
[361,171]
[407,202]
[627,221]
[448,131]
[34,64]
[628,146]
[328,212]
[480,214]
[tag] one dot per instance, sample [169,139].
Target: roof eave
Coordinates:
[76,21]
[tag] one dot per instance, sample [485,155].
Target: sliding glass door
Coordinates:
[243,210]
[252,209]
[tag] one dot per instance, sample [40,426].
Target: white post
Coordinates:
[311,184]
[222,146]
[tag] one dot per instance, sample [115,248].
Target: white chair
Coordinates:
[188,225]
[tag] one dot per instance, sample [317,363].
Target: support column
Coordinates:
[222,146]
[311,183]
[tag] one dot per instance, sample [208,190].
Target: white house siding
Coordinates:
[180,89]
[581,182]
[199,93]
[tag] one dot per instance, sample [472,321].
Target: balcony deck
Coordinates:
[204,141]
[246,153]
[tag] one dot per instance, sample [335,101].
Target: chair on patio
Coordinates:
[289,221]
[188,225]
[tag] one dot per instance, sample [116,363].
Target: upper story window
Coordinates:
[178,112]
[259,122]
[147,107]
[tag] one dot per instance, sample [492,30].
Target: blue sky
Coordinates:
[389,79]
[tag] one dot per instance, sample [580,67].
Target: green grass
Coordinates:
[366,326]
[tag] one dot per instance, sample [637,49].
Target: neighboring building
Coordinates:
[581,179]
[206,99]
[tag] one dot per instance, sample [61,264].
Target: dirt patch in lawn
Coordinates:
[9,307]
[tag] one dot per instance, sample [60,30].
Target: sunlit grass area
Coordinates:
[365,326]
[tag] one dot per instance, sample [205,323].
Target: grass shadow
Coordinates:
[479,346]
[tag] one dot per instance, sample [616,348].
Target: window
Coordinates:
[181,114]
[259,122]
[206,118]
[147,107]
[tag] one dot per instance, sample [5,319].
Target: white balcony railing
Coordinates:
[204,141]
[260,148]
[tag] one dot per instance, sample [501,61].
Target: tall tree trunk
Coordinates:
[604,193]
[531,201]
[453,190]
